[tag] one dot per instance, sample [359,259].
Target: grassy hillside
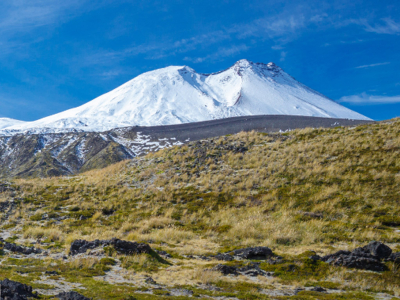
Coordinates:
[313,189]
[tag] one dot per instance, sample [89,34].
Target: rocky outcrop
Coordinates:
[394,257]
[318,289]
[71,296]
[12,290]
[251,270]
[224,257]
[253,253]
[377,249]
[81,246]
[19,249]
[126,247]
[257,253]
[122,247]
[367,258]
[226,270]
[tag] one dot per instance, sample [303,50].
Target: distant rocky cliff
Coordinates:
[55,154]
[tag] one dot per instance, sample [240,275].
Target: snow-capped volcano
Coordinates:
[7,122]
[178,94]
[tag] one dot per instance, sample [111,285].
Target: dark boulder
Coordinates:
[122,247]
[327,258]
[252,270]
[254,253]
[19,249]
[15,291]
[357,262]
[367,258]
[71,296]
[81,246]
[51,273]
[318,289]
[394,257]
[126,247]
[377,249]
[226,270]
[315,257]
[224,257]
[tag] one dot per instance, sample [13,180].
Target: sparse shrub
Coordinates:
[107,261]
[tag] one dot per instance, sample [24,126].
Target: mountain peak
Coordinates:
[243,63]
[178,94]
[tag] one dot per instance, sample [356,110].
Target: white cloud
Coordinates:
[20,18]
[365,98]
[372,65]
[283,55]
[271,27]
[319,18]
[388,27]
[280,29]
[277,47]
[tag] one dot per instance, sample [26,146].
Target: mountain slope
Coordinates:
[305,194]
[176,95]
[7,122]
[54,154]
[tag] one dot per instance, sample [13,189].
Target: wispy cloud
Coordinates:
[372,65]
[283,56]
[365,98]
[383,26]
[18,18]
[280,30]
[271,27]
[388,26]
[24,15]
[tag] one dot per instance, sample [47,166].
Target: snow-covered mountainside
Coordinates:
[176,95]
[7,122]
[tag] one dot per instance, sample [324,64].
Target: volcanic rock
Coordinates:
[122,247]
[367,258]
[15,291]
[71,296]
[253,253]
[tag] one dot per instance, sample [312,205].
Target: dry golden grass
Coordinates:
[53,234]
[310,189]
[349,176]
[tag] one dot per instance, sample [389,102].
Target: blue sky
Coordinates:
[56,55]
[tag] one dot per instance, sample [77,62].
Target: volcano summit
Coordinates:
[178,94]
